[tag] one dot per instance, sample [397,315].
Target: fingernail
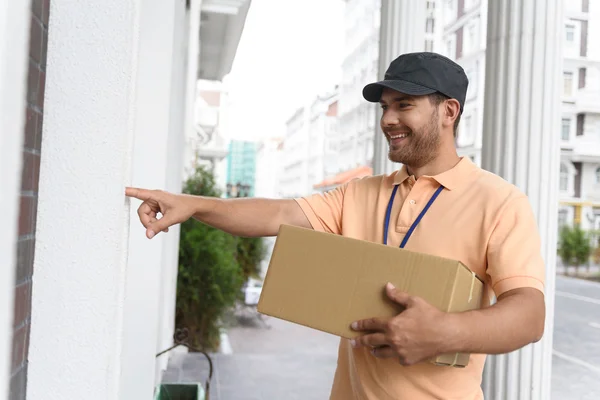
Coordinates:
[354,325]
[353,343]
[151,234]
[389,284]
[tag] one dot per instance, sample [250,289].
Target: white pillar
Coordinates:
[402,30]
[82,226]
[520,143]
[14,36]
[184,33]
[150,169]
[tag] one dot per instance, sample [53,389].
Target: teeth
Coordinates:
[402,135]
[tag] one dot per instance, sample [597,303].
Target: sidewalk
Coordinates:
[286,361]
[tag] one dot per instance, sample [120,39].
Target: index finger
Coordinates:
[141,194]
[370,324]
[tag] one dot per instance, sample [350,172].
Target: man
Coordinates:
[471,215]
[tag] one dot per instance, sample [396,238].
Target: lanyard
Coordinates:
[386,224]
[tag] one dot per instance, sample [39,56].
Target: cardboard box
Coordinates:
[327,281]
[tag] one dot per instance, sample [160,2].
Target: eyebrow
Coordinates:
[397,99]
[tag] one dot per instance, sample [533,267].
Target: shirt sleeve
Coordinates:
[514,250]
[324,210]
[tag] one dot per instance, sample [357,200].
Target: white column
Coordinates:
[184,31]
[520,143]
[402,31]
[150,167]
[82,227]
[14,36]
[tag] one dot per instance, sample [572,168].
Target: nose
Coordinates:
[388,119]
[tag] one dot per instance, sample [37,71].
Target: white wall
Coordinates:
[590,187]
[174,168]
[593,50]
[356,116]
[82,226]
[153,144]
[115,101]
[14,39]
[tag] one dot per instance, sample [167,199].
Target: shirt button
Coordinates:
[412,202]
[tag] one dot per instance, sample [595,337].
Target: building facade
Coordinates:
[87,301]
[309,146]
[360,65]
[241,169]
[269,158]
[206,144]
[464,40]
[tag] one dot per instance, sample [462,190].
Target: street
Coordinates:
[576,359]
[291,362]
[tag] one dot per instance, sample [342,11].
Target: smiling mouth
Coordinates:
[397,138]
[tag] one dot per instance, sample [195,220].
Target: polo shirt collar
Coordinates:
[450,179]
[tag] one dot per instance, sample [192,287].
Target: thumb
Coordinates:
[397,296]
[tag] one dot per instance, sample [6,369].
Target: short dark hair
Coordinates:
[436,99]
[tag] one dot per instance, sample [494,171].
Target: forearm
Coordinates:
[513,322]
[249,217]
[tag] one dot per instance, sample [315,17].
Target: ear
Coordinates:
[451,113]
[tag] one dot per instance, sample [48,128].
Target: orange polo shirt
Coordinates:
[479,219]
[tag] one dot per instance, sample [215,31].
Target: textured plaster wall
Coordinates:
[150,165]
[82,228]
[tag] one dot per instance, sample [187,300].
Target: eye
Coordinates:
[403,105]
[384,107]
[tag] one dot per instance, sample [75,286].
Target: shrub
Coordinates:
[574,247]
[209,275]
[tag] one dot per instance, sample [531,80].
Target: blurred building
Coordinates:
[310,146]
[268,167]
[269,157]
[464,40]
[360,65]
[86,300]
[206,143]
[241,169]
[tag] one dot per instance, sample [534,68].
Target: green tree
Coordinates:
[209,276]
[574,247]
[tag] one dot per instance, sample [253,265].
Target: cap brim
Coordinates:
[372,92]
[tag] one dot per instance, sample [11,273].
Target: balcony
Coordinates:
[587,101]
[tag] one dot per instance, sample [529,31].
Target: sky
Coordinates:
[290,51]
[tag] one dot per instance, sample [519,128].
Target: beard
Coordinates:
[419,147]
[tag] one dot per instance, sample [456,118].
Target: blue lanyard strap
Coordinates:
[388,213]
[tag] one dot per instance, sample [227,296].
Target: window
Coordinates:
[429,25]
[562,218]
[580,124]
[570,33]
[566,129]
[567,83]
[598,175]
[449,48]
[582,72]
[472,38]
[564,178]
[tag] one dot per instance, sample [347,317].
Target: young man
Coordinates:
[474,216]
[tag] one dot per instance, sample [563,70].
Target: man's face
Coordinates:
[411,126]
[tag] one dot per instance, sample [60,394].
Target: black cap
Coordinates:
[420,74]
